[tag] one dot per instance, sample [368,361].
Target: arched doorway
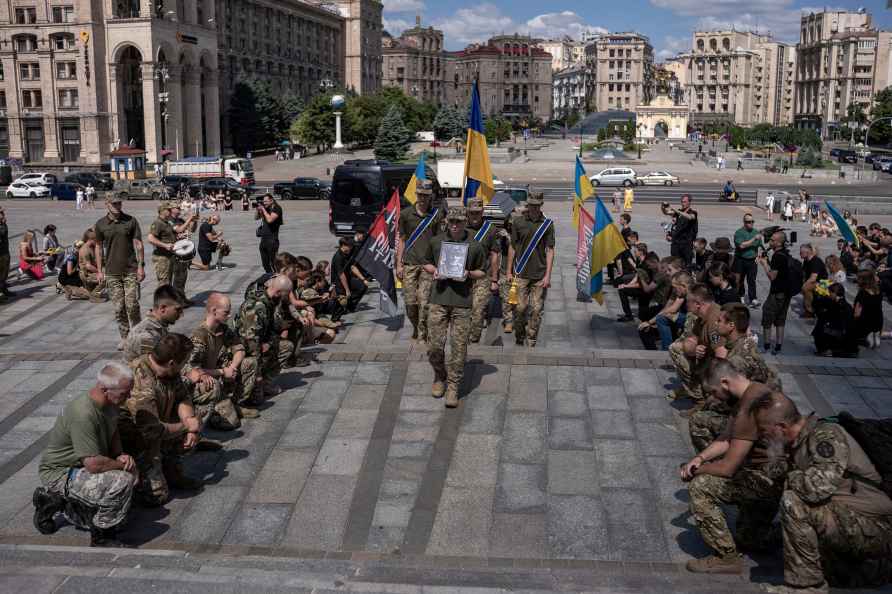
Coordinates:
[661,130]
[132,129]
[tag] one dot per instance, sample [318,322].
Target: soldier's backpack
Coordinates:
[794,276]
[875,438]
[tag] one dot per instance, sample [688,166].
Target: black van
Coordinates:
[361,187]
[847,156]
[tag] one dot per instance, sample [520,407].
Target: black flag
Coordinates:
[377,253]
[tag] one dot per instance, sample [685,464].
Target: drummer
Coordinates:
[163,236]
[184,229]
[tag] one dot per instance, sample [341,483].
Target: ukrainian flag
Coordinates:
[845,230]
[478,173]
[607,244]
[418,176]
[584,190]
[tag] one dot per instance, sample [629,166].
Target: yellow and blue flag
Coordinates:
[478,173]
[599,243]
[417,177]
[584,190]
[845,229]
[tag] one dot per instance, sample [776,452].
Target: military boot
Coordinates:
[822,588]
[106,537]
[246,412]
[173,473]
[508,328]
[438,388]
[731,564]
[451,396]
[46,504]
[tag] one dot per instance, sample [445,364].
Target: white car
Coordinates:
[44,179]
[19,189]
[615,176]
[658,178]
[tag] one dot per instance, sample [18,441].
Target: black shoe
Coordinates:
[776,350]
[46,505]
[107,537]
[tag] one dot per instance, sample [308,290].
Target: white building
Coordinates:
[569,91]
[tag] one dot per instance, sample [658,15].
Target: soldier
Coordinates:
[691,353]
[166,310]
[417,226]
[837,522]
[504,245]
[157,421]
[218,354]
[740,348]
[183,229]
[530,259]
[84,471]
[735,469]
[87,268]
[162,236]
[486,235]
[257,327]
[123,267]
[450,307]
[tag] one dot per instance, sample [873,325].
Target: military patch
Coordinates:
[825,449]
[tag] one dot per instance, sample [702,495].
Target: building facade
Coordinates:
[622,66]
[774,84]
[363,30]
[296,47]
[81,78]
[842,59]
[563,52]
[570,87]
[413,62]
[514,76]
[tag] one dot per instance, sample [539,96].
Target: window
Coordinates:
[26,43]
[68,99]
[63,14]
[71,140]
[63,41]
[2,99]
[29,71]
[32,99]
[34,140]
[25,16]
[66,70]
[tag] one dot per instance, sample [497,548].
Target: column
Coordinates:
[50,108]
[192,111]
[151,113]
[211,92]
[175,141]
[13,108]
[116,103]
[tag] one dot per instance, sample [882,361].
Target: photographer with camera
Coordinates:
[269,214]
[778,270]
[684,231]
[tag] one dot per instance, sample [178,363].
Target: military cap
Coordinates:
[457,213]
[536,199]
[111,197]
[475,205]
[424,187]
[309,294]
[164,206]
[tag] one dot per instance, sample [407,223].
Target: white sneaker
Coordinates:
[755,303]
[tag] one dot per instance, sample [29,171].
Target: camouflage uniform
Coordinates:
[101,500]
[680,360]
[124,292]
[530,297]
[152,403]
[507,308]
[143,337]
[836,525]
[215,352]
[481,288]
[179,269]
[89,279]
[256,325]
[162,259]
[417,282]
[441,318]
[529,308]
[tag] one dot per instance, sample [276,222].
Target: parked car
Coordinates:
[20,189]
[65,190]
[173,183]
[615,176]
[302,187]
[132,189]
[846,156]
[880,162]
[86,178]
[212,185]
[658,178]
[44,179]
[517,194]
[834,152]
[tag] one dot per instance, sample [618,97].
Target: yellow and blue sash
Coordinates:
[534,241]
[421,228]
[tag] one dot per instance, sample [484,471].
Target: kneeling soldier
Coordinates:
[450,307]
[84,471]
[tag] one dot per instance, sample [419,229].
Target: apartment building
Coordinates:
[774,84]
[842,59]
[363,31]
[79,79]
[413,62]
[622,66]
[570,91]
[514,74]
[563,52]
[297,47]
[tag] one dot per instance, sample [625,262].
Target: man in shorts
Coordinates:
[774,310]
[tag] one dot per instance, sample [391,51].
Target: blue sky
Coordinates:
[668,23]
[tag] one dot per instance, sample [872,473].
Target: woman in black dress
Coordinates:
[868,309]
[834,332]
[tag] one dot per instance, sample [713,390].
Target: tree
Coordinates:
[602,134]
[243,118]
[573,118]
[316,124]
[365,114]
[497,129]
[449,123]
[628,133]
[394,137]
[292,105]
[272,118]
[737,136]
[881,132]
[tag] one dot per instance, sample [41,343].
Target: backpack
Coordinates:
[794,276]
[875,438]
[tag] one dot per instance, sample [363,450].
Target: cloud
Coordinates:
[779,17]
[396,26]
[403,5]
[558,24]
[673,46]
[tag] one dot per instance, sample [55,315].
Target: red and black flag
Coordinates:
[376,256]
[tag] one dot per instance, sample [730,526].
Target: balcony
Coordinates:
[516,109]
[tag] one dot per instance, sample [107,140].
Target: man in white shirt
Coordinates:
[79,197]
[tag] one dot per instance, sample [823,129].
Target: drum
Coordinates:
[184,249]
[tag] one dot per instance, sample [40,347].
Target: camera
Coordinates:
[255,204]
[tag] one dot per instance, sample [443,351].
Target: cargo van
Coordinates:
[361,187]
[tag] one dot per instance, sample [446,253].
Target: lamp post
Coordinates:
[337,103]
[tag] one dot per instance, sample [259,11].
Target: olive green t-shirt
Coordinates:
[84,429]
[454,293]
[522,232]
[117,238]
[489,241]
[165,233]
[742,235]
[409,220]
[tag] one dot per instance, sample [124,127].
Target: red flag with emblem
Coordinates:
[378,253]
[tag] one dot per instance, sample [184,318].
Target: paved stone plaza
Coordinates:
[557,472]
